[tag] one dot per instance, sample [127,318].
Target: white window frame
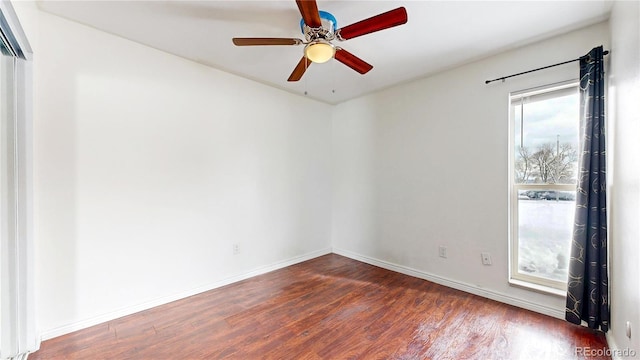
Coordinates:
[515,276]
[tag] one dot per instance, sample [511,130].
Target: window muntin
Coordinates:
[543,167]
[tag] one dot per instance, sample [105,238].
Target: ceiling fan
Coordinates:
[319,29]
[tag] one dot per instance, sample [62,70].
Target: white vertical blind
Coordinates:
[18,334]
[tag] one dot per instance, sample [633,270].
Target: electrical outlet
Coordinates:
[236,249]
[486,258]
[442,251]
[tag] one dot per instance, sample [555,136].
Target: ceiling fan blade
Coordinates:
[266,41]
[300,69]
[352,61]
[309,11]
[376,23]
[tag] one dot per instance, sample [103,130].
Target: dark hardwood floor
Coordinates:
[330,307]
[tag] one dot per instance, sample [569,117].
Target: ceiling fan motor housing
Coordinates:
[327,31]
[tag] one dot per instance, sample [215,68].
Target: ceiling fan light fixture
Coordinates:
[319,51]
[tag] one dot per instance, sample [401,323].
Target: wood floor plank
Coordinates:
[330,307]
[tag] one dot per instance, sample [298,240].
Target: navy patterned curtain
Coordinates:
[588,284]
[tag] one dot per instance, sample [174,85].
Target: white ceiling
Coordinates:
[438,35]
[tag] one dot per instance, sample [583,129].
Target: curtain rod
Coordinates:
[606,52]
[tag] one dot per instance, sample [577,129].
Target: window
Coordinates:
[544,161]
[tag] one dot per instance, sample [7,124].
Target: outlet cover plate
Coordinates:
[442,251]
[486,258]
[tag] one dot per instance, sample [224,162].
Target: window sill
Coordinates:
[538,288]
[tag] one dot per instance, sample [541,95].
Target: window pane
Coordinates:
[546,139]
[545,225]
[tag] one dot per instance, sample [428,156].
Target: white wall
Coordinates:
[149,167]
[624,165]
[425,164]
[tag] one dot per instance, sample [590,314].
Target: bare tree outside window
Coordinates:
[548,164]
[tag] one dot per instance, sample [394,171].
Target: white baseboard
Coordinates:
[82,324]
[489,294]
